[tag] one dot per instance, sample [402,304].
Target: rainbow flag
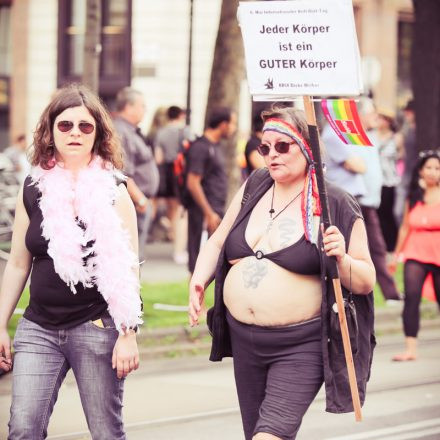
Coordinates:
[343,117]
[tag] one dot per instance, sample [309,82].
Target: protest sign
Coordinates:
[300,47]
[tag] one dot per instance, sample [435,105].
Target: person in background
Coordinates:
[75,232]
[160,119]
[207,181]
[370,202]
[16,153]
[273,295]
[343,166]
[410,156]
[389,144]
[167,144]
[419,245]
[139,163]
[253,158]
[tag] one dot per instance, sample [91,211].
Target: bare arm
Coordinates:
[158,155]
[208,256]
[138,197]
[194,185]
[355,165]
[125,353]
[14,278]
[401,238]
[363,274]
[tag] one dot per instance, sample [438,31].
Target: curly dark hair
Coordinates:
[106,145]
[415,191]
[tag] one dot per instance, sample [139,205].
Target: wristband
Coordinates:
[142,202]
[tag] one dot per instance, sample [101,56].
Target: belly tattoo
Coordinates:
[254,271]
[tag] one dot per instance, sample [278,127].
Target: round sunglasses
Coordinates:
[85,127]
[280,147]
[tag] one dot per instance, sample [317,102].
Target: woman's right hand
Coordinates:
[196,302]
[5,350]
[392,264]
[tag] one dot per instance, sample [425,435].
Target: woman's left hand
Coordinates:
[125,354]
[334,243]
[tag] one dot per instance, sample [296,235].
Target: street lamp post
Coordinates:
[188,87]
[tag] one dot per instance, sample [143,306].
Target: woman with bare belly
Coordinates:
[273,302]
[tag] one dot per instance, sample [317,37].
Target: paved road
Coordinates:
[191,398]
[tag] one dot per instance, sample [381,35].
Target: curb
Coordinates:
[186,340]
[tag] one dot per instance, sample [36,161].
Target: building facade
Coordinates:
[146,43]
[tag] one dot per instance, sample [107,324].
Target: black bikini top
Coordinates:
[301,257]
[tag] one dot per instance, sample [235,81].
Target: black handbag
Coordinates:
[352,324]
[351,318]
[162,190]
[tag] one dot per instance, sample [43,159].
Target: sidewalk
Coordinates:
[181,391]
[160,267]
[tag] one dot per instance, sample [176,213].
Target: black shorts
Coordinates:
[167,185]
[278,372]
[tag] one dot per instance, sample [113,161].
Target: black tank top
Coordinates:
[52,304]
[301,257]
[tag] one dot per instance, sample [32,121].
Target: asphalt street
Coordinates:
[191,398]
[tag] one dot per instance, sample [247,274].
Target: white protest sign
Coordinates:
[300,47]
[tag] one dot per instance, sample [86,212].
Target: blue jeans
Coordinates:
[42,360]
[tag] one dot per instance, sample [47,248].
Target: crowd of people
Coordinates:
[86,209]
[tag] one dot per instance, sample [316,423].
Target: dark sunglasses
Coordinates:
[85,127]
[280,147]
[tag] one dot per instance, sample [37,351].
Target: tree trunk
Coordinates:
[92,45]
[425,72]
[226,78]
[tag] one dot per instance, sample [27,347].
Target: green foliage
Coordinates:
[163,293]
[379,300]
[168,293]
[177,294]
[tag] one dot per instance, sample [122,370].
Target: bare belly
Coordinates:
[262,293]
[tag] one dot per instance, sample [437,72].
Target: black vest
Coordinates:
[344,211]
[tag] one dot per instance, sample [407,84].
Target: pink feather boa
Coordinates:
[90,197]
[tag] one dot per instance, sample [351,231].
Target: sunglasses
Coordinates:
[85,127]
[280,147]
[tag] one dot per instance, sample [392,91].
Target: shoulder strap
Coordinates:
[30,195]
[256,177]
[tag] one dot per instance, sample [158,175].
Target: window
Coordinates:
[5,70]
[115,62]
[404,41]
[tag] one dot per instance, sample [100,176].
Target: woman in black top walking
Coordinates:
[273,298]
[75,227]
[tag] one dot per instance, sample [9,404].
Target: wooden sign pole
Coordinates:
[333,269]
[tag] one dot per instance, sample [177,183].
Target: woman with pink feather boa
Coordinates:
[75,228]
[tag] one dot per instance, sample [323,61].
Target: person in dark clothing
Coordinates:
[207,180]
[253,158]
[272,299]
[75,228]
[410,152]
[167,145]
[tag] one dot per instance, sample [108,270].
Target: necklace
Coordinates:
[272,211]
